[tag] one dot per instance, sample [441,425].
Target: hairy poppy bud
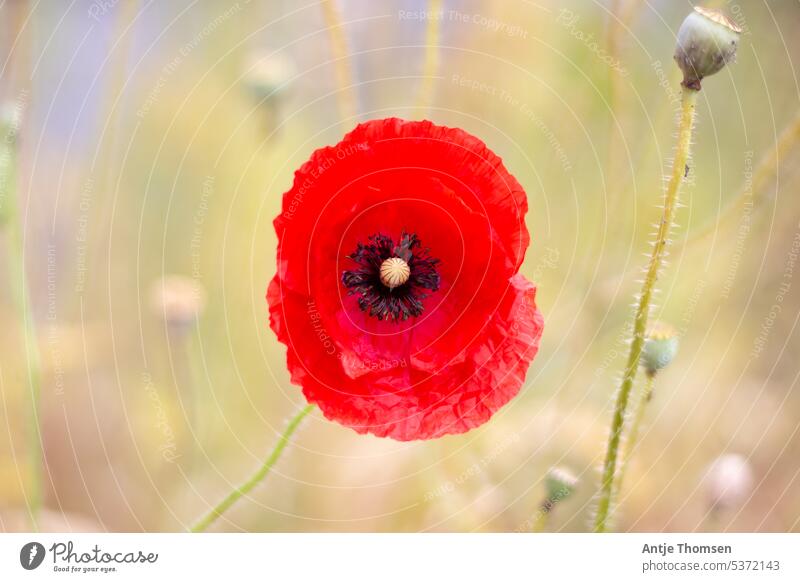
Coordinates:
[560,484]
[660,347]
[707,41]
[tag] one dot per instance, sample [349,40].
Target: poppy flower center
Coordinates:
[394,272]
[391,280]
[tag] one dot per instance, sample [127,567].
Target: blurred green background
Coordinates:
[155,140]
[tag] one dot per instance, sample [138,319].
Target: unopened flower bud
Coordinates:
[660,347]
[729,481]
[560,483]
[707,41]
[268,76]
[179,300]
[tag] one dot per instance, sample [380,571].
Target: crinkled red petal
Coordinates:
[449,369]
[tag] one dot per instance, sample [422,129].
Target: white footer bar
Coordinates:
[389,557]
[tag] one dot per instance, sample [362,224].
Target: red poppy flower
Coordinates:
[397,293]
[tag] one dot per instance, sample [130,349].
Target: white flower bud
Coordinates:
[729,481]
[707,41]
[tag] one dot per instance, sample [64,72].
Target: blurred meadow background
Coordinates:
[145,149]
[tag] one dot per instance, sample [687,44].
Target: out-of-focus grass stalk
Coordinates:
[543,516]
[108,116]
[626,12]
[11,218]
[636,425]
[766,170]
[257,477]
[621,15]
[615,28]
[18,283]
[615,8]
[196,378]
[615,170]
[197,388]
[431,64]
[188,385]
[688,104]
[344,75]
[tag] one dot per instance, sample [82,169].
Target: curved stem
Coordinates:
[257,477]
[688,102]
[636,425]
[18,283]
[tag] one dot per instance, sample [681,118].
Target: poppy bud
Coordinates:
[560,483]
[179,300]
[266,77]
[729,481]
[660,347]
[707,41]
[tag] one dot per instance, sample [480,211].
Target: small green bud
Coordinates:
[707,41]
[660,347]
[560,483]
[267,76]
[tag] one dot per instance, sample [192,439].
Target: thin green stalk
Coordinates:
[196,382]
[431,65]
[18,283]
[257,477]
[688,103]
[540,523]
[636,425]
[344,74]
[755,188]
[188,381]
